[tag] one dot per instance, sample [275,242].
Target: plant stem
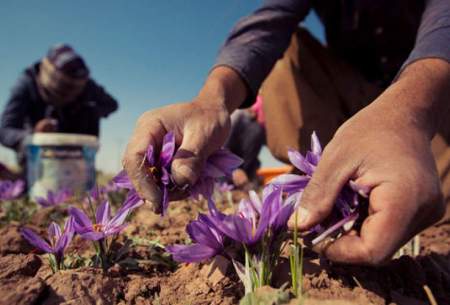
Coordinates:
[296,262]
[103,254]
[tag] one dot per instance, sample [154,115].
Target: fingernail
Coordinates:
[302,217]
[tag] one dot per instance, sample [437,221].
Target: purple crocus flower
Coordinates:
[221,163]
[54,198]
[57,241]
[346,208]
[208,242]
[104,225]
[158,169]
[10,190]
[294,183]
[255,218]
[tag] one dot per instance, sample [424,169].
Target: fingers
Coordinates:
[319,196]
[147,132]
[190,157]
[382,233]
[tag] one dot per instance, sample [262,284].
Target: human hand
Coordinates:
[46,125]
[200,128]
[239,178]
[384,148]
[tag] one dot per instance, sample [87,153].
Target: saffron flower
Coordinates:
[104,225]
[255,234]
[220,164]
[347,206]
[57,241]
[292,183]
[54,198]
[208,242]
[10,190]
[256,218]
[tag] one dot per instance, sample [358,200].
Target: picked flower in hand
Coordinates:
[220,164]
[347,206]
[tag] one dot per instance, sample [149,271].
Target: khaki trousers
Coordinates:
[311,89]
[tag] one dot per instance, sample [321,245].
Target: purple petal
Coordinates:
[255,202]
[53,231]
[103,213]
[91,235]
[168,149]
[281,218]
[201,233]
[36,240]
[334,228]
[235,227]
[191,253]
[17,188]
[132,201]
[150,155]
[290,183]
[115,230]
[247,210]
[300,162]
[121,180]
[204,186]
[165,177]
[210,170]
[223,160]
[316,148]
[164,200]
[117,220]
[81,220]
[312,159]
[66,237]
[11,189]
[362,190]
[43,202]
[206,219]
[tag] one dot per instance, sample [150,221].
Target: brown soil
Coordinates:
[25,277]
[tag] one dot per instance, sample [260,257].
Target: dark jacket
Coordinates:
[25,108]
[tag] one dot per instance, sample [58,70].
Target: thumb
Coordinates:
[189,160]
[320,194]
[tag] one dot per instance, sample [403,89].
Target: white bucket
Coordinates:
[59,160]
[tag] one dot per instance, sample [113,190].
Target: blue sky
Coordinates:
[147,54]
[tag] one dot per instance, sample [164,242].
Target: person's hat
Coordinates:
[63,75]
[66,60]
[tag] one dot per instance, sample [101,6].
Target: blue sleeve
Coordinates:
[12,123]
[260,39]
[433,36]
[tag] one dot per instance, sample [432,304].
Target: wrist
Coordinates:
[224,89]
[420,95]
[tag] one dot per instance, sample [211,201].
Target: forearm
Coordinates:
[422,92]
[12,137]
